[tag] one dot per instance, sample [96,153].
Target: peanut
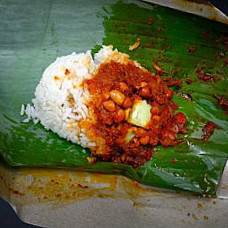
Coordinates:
[117,97]
[119,116]
[109,106]
[145,140]
[127,103]
[123,86]
[144,92]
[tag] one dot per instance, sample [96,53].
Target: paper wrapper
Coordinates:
[64,198]
[68,198]
[198,7]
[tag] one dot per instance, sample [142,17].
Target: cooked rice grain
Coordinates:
[60,101]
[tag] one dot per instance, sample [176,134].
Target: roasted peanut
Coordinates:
[123,86]
[109,106]
[119,116]
[127,102]
[117,97]
[144,92]
[145,140]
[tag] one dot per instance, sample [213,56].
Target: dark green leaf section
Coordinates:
[192,166]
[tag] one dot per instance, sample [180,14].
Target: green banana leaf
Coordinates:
[34,33]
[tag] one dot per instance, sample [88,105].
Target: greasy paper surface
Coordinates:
[62,198]
[29,43]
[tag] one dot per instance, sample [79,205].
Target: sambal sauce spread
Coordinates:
[208,130]
[133,112]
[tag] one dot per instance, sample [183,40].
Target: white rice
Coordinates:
[22,110]
[51,104]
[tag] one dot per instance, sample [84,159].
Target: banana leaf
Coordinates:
[34,33]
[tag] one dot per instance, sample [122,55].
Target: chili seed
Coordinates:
[127,102]
[157,68]
[140,85]
[135,142]
[154,141]
[141,131]
[91,160]
[169,94]
[67,72]
[106,94]
[123,157]
[145,140]
[119,116]
[155,109]
[143,84]
[134,129]
[109,106]
[117,97]
[153,85]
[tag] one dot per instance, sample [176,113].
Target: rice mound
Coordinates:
[60,101]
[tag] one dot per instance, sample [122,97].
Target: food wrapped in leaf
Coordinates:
[109,104]
[194,58]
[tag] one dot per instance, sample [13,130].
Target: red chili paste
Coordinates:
[206,77]
[114,89]
[208,130]
[222,102]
